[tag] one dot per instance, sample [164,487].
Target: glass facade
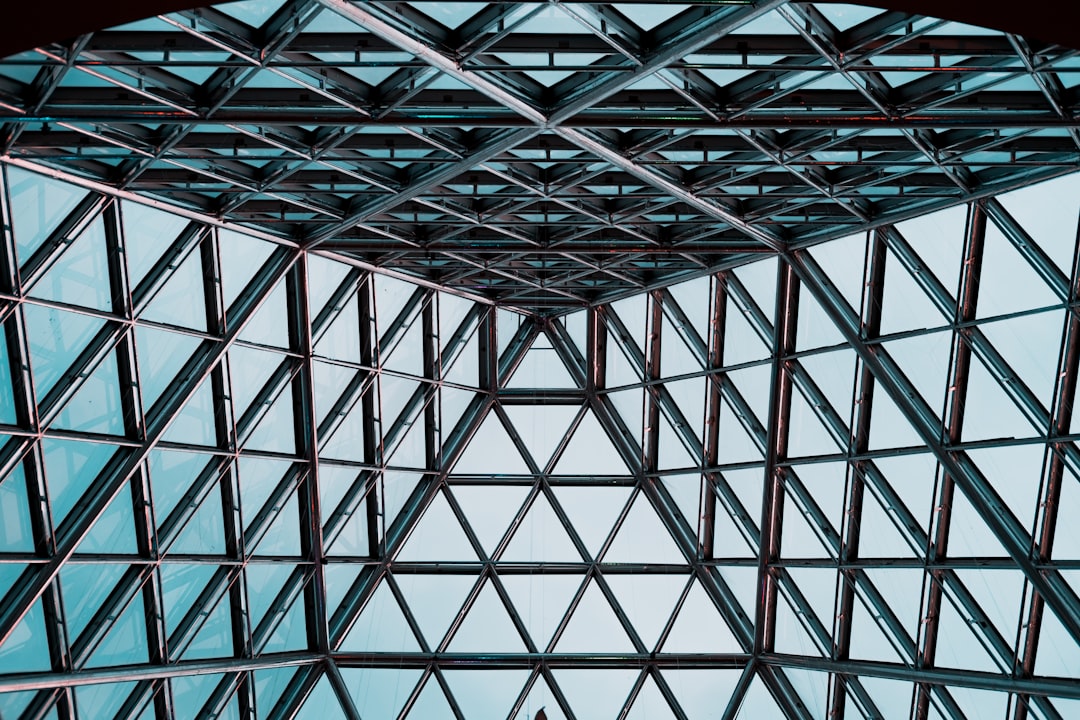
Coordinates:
[775,427]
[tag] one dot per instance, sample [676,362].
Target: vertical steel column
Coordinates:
[433,373]
[369,358]
[1060,424]
[217,324]
[772,506]
[873,291]
[650,444]
[713,402]
[305,425]
[596,352]
[967,301]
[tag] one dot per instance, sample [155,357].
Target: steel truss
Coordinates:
[263,384]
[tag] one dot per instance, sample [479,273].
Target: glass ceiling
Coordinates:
[567,378]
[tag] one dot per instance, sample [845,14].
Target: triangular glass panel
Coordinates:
[689,396]
[324,277]
[487,627]
[1030,345]
[541,368]
[999,594]
[347,440]
[815,328]
[407,355]
[807,434]
[699,627]
[398,487]
[643,537]
[321,703]
[341,340]
[629,406]
[758,703]
[541,602]
[957,644]
[590,452]
[676,358]
[924,360]
[969,535]
[380,627]
[194,424]
[686,491]
[345,522]
[71,468]
[148,233]
[438,536]
[434,601]
[250,370]
[1059,653]
[113,533]
[276,431]
[912,479]
[1001,466]
[842,260]
[22,651]
[1007,282]
[736,444]
[214,638]
[8,414]
[818,588]
[889,427]
[619,371]
[540,697]
[729,531]
[881,537]
[485,694]
[380,692]
[902,590]
[489,508]
[813,690]
[905,305]
[282,538]
[792,637]
[267,326]
[431,703]
[892,697]
[633,312]
[401,403]
[190,693]
[81,275]
[802,537]
[103,700]
[203,533]
[491,452]
[161,356]
[241,257]
[541,427]
[938,239]
[592,511]
[695,300]
[700,693]
[650,703]
[125,643]
[180,300]
[742,343]
[55,337]
[540,537]
[596,693]
[1047,212]
[464,367]
[989,413]
[16,533]
[96,406]
[41,203]
[868,640]
[673,451]
[594,627]
[85,586]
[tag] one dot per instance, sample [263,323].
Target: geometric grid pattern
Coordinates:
[245,475]
[244,480]
[548,155]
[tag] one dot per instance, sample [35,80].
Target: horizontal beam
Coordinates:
[493,661]
[128,673]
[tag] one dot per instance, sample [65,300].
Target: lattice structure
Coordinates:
[420,360]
